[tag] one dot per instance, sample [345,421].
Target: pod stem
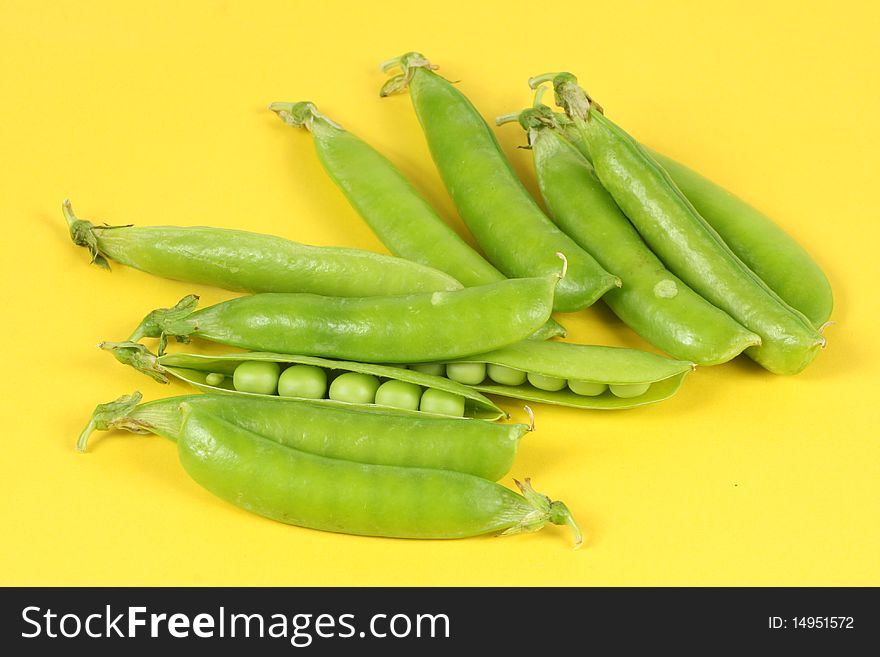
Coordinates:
[538,98]
[137,356]
[83,233]
[540,117]
[531,414]
[113,415]
[532,120]
[164,322]
[507,118]
[823,341]
[564,271]
[301,114]
[544,510]
[539,80]
[568,95]
[408,63]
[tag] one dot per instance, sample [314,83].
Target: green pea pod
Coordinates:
[400,216]
[765,248]
[291,486]
[607,366]
[252,262]
[395,211]
[196,368]
[654,302]
[761,244]
[381,437]
[683,240]
[507,223]
[399,329]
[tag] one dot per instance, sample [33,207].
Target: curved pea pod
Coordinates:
[379,437]
[253,262]
[291,486]
[385,329]
[196,368]
[513,232]
[609,366]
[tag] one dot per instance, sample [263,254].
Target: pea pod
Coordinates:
[761,244]
[395,211]
[398,329]
[291,486]
[617,372]
[195,369]
[654,302]
[507,223]
[252,262]
[483,449]
[683,240]
[765,248]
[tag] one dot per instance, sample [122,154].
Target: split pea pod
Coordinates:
[507,223]
[483,449]
[291,486]
[683,240]
[654,302]
[253,262]
[389,203]
[219,374]
[398,329]
[576,375]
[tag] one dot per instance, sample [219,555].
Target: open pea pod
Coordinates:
[195,368]
[612,368]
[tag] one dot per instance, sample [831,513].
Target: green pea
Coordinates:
[587,388]
[440,401]
[214,379]
[506,376]
[399,394]
[434,369]
[306,381]
[548,383]
[354,387]
[469,373]
[629,390]
[257,376]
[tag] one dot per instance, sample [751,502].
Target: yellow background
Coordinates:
[154,113]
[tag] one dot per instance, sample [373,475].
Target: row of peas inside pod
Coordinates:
[581,376]
[314,382]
